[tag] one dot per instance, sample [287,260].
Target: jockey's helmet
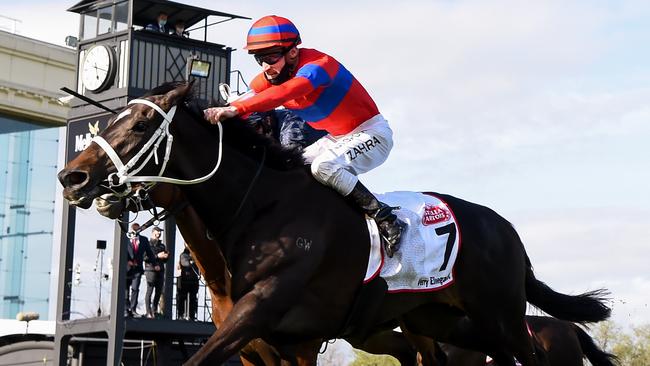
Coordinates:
[272,31]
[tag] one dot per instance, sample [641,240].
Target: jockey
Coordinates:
[324,93]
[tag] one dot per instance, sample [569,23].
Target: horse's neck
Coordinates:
[238,189]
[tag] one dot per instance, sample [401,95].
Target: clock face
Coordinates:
[98,68]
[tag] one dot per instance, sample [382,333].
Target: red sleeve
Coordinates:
[259,83]
[274,96]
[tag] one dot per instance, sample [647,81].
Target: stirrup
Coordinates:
[390,229]
[393,243]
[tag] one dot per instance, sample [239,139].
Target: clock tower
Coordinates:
[119,59]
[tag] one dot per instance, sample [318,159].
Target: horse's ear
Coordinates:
[175,96]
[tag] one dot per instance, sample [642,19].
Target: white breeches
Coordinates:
[337,160]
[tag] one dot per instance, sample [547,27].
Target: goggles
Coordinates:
[270,58]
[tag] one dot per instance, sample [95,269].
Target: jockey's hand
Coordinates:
[219,114]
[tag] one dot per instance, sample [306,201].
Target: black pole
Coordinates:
[87,100]
[101,277]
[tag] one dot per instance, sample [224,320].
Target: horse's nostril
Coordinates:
[72,177]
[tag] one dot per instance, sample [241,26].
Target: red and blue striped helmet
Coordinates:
[272,31]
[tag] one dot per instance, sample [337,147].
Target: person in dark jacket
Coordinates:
[136,250]
[154,272]
[187,287]
[179,29]
[160,25]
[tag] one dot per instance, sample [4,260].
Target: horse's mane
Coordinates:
[238,133]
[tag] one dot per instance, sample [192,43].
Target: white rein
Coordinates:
[126,173]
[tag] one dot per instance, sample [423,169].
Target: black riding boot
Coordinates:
[390,227]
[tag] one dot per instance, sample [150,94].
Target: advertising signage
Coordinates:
[81,133]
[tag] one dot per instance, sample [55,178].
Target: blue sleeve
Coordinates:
[316,75]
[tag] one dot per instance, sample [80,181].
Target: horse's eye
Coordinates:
[140,127]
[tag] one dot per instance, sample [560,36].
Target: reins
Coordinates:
[126,173]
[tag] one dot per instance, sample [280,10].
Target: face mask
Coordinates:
[162,22]
[180,30]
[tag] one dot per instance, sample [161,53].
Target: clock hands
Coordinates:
[99,68]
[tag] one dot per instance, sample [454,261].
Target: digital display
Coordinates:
[200,68]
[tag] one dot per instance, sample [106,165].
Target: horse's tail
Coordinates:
[595,355]
[584,308]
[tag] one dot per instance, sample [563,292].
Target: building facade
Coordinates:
[31,119]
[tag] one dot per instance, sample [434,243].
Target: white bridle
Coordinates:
[126,173]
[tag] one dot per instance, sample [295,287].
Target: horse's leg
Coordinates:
[459,331]
[307,354]
[256,352]
[521,344]
[487,333]
[430,353]
[259,353]
[457,356]
[486,338]
[252,316]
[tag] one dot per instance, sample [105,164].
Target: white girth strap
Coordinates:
[126,172]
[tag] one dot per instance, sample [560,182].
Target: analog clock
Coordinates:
[98,68]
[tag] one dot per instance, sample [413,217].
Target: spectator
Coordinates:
[161,24]
[179,29]
[187,287]
[138,246]
[154,272]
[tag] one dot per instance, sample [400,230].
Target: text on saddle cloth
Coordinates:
[429,246]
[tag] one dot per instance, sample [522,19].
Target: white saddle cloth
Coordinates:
[429,246]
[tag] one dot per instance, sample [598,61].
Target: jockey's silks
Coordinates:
[322,92]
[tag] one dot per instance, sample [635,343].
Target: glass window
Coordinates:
[121,16]
[28,159]
[105,20]
[90,25]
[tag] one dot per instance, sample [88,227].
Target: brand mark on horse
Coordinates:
[303,243]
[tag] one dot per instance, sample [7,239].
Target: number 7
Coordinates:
[451,239]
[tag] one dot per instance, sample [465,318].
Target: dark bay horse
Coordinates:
[263,206]
[564,343]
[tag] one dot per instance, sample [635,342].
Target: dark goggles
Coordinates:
[270,58]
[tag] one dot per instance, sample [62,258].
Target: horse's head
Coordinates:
[137,140]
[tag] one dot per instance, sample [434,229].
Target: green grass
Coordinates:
[366,359]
